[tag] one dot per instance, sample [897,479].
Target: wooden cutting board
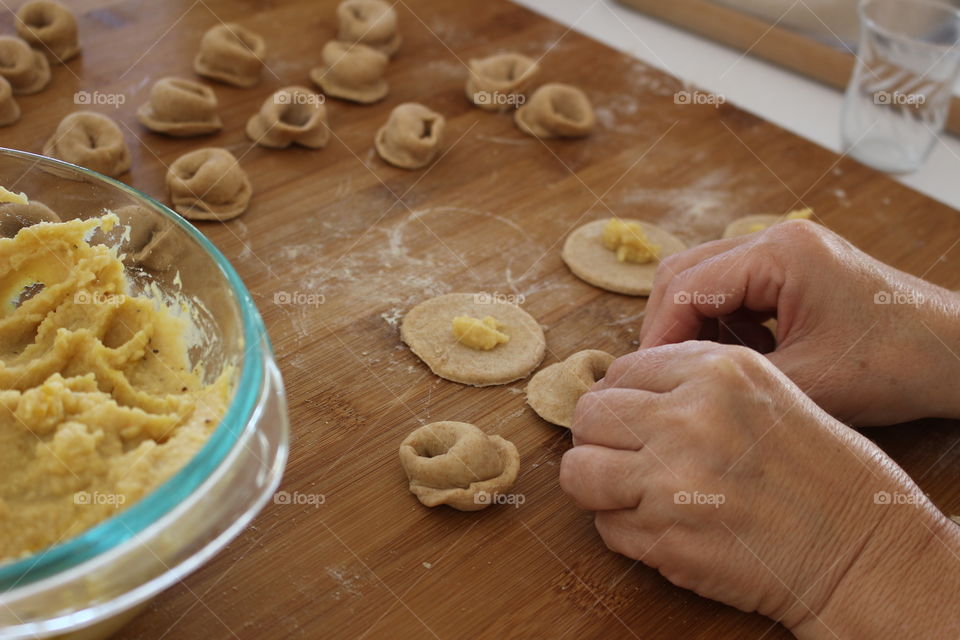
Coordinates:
[489,216]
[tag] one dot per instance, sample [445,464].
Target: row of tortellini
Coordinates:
[46,35]
[209,183]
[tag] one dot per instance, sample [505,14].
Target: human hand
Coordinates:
[705,462]
[870,344]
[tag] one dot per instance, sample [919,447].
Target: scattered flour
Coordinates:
[513,415]
[393,316]
[504,140]
[450,68]
[349,584]
[695,212]
[605,117]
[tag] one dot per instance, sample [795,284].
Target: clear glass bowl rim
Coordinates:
[125,525]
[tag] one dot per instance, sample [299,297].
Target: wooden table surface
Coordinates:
[489,216]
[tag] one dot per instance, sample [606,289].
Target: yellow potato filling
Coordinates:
[481,334]
[98,402]
[12,197]
[797,214]
[629,242]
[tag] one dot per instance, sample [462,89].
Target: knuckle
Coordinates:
[670,266]
[614,543]
[804,233]
[610,535]
[732,361]
[570,470]
[720,364]
[586,406]
[676,286]
[617,369]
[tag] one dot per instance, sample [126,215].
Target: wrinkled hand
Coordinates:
[868,343]
[705,462]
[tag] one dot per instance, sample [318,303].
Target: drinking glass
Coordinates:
[896,104]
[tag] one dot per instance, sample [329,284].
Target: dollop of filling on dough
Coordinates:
[98,402]
[798,214]
[628,241]
[475,333]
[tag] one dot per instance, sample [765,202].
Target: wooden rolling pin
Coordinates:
[772,43]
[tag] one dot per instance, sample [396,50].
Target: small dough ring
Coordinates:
[14,217]
[556,110]
[497,82]
[208,184]
[9,109]
[231,54]
[50,28]
[457,464]
[369,22]
[554,391]
[412,136]
[180,107]
[91,140]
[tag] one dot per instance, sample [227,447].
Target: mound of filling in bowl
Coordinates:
[98,402]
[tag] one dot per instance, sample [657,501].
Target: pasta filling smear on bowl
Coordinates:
[99,404]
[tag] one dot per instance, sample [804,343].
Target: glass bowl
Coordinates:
[90,585]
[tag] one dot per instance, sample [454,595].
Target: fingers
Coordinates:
[744,276]
[624,533]
[676,264]
[600,479]
[615,418]
[653,370]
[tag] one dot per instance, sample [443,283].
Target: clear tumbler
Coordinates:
[908,61]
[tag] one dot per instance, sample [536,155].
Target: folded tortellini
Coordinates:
[411,137]
[15,216]
[369,22]
[457,464]
[91,140]
[231,54]
[26,70]
[151,242]
[554,391]
[351,72]
[208,184]
[180,107]
[292,115]
[9,109]
[50,28]
[556,110]
[496,83]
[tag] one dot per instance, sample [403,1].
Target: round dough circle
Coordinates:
[554,391]
[741,226]
[427,331]
[593,263]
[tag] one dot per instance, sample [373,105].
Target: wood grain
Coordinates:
[770,42]
[490,215]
